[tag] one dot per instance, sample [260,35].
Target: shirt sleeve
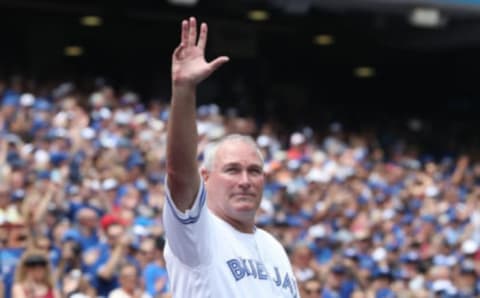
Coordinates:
[187,232]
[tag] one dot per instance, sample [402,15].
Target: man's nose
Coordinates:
[244,180]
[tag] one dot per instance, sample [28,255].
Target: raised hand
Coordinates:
[189,66]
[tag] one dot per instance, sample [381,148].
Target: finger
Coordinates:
[184,32]
[178,51]
[202,40]
[215,64]
[192,32]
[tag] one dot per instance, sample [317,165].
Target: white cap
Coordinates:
[88,133]
[263,141]
[97,99]
[379,254]
[319,157]
[27,149]
[469,247]
[140,230]
[123,117]
[105,113]
[108,141]
[388,214]
[140,118]
[318,175]
[41,157]
[297,139]
[443,285]
[267,206]
[130,97]
[78,295]
[317,231]
[280,155]
[216,133]
[156,124]
[27,99]
[109,184]
[293,164]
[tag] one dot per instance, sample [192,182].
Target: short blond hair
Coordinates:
[210,154]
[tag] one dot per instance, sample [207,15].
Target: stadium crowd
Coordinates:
[82,191]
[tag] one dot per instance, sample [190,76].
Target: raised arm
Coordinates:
[189,68]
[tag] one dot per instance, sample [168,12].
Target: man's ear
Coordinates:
[204,173]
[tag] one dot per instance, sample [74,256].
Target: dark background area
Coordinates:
[275,71]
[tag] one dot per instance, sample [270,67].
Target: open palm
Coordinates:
[188,61]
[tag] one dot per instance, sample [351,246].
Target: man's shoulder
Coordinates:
[268,238]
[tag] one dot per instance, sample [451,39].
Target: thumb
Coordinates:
[215,64]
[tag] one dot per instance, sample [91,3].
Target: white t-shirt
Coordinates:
[207,257]
[120,293]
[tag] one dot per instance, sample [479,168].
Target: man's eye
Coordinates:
[256,171]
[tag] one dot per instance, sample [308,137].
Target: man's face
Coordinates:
[128,278]
[235,183]
[114,233]
[312,289]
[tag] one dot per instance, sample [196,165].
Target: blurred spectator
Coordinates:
[34,277]
[154,272]
[101,261]
[361,214]
[311,288]
[129,284]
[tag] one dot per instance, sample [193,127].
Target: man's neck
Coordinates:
[247,227]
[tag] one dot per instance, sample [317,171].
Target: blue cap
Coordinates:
[203,111]
[392,246]
[385,293]
[362,200]
[410,257]
[143,221]
[10,100]
[415,204]
[134,160]
[58,133]
[42,104]
[38,124]
[43,175]
[468,267]
[156,178]
[164,115]
[294,221]
[339,269]
[17,163]
[17,195]
[429,218]
[350,253]
[56,158]
[123,143]
[12,156]
[380,198]
[382,272]
[407,219]
[71,235]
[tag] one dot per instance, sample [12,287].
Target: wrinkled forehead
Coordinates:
[237,151]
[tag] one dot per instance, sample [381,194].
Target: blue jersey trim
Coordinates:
[190,219]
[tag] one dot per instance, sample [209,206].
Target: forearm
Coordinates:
[182,167]
[42,207]
[106,271]
[182,132]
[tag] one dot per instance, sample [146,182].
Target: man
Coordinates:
[129,284]
[215,250]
